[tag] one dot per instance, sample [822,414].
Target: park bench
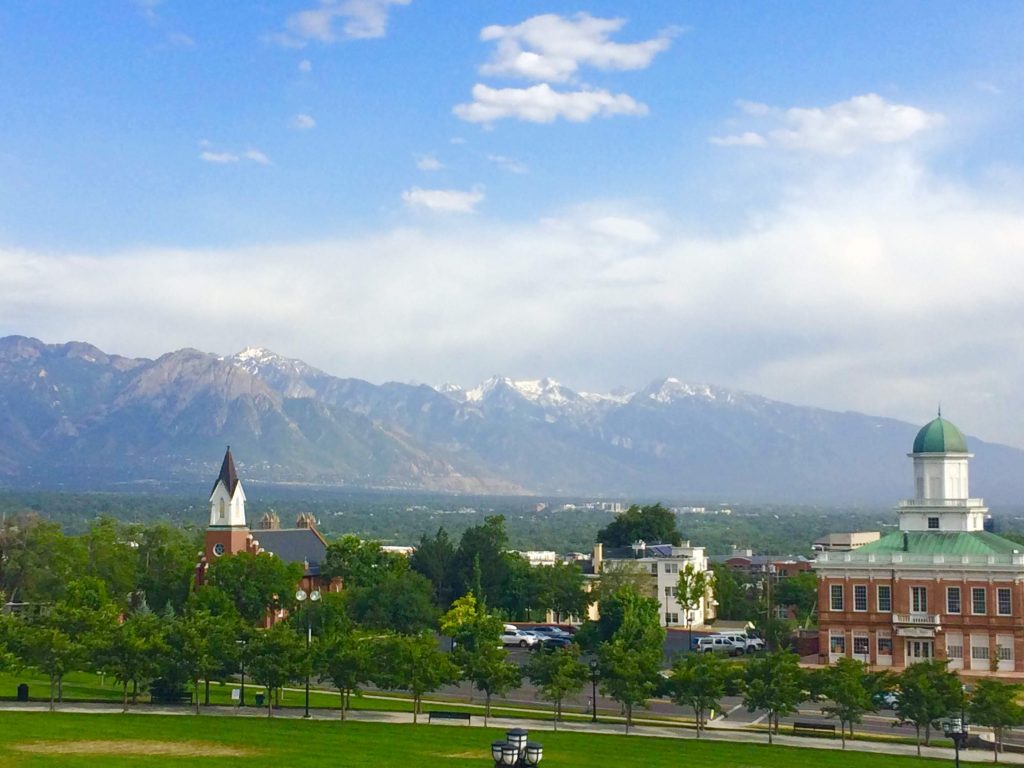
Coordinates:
[814,729]
[441,715]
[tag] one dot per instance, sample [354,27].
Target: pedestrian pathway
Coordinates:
[639,730]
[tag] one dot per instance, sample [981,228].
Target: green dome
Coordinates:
[939,436]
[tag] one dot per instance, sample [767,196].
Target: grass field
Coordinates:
[47,739]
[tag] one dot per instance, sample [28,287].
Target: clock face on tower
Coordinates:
[218,549]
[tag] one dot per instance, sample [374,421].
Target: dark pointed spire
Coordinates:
[227,475]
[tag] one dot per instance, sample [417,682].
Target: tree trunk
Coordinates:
[629,717]
[917,729]
[343,703]
[135,691]
[769,727]
[270,702]
[997,734]
[842,730]
[928,734]
[556,713]
[124,696]
[53,687]
[195,686]
[487,707]
[415,709]
[60,688]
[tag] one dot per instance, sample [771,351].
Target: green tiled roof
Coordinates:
[939,436]
[942,543]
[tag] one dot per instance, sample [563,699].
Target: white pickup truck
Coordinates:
[743,641]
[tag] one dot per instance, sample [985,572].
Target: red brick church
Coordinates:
[228,532]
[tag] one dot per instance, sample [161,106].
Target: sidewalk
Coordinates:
[640,731]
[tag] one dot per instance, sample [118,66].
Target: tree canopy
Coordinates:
[652,524]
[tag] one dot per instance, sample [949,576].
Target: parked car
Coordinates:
[556,641]
[513,635]
[718,644]
[886,699]
[743,640]
[549,631]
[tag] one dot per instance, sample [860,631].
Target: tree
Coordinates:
[360,563]
[928,692]
[133,650]
[800,593]
[111,556]
[415,664]
[166,565]
[848,689]
[401,602]
[50,650]
[691,591]
[653,524]
[561,590]
[347,660]
[256,583]
[774,683]
[630,663]
[994,704]
[476,636]
[484,547]
[37,561]
[557,673]
[730,594]
[700,681]
[274,657]
[435,558]
[189,638]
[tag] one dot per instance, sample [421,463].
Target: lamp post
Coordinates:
[516,750]
[594,666]
[313,596]
[956,729]
[241,667]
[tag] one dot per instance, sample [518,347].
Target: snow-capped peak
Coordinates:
[673,389]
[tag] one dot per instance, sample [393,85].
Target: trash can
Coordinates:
[260,698]
[23,692]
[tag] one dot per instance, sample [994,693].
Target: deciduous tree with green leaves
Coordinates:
[653,524]
[700,681]
[133,651]
[693,587]
[415,664]
[847,689]
[557,673]
[928,692]
[347,659]
[994,704]
[256,584]
[273,658]
[774,683]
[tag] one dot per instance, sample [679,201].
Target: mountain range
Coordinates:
[72,415]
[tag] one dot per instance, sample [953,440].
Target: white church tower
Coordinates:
[227,501]
[941,498]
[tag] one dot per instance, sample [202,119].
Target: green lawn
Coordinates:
[45,739]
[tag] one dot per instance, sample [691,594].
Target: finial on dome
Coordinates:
[940,409]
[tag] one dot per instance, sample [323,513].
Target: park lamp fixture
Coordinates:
[516,750]
[956,729]
[313,596]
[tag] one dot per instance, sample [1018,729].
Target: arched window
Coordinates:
[222,509]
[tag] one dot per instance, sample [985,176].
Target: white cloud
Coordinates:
[627,229]
[256,156]
[218,157]
[428,163]
[305,65]
[987,87]
[508,163]
[552,48]
[542,104]
[839,129]
[358,19]
[444,200]
[148,9]
[881,291]
[303,122]
[748,139]
[180,40]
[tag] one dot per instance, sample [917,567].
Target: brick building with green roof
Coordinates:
[940,587]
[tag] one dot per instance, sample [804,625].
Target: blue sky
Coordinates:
[816,202]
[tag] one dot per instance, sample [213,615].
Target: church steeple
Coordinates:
[227,499]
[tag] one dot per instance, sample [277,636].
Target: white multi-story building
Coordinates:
[661,564]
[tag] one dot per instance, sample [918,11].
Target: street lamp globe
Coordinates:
[534,753]
[509,754]
[496,747]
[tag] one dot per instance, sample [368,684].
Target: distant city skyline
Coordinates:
[819,204]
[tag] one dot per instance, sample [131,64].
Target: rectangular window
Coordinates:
[979,652]
[933,523]
[654,569]
[860,597]
[884,598]
[919,599]
[1003,605]
[1005,652]
[884,645]
[837,644]
[860,645]
[978,602]
[836,594]
[671,618]
[955,651]
[952,599]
